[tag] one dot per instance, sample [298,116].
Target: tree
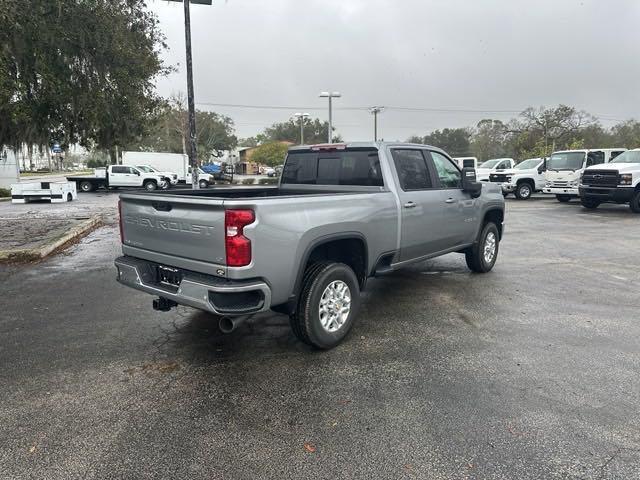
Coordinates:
[488,140]
[170,131]
[248,142]
[315,131]
[270,153]
[626,134]
[454,141]
[78,71]
[415,139]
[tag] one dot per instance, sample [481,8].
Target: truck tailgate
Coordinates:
[182,227]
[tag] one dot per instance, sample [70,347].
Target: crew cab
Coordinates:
[341,213]
[617,181]
[564,169]
[522,180]
[117,176]
[494,165]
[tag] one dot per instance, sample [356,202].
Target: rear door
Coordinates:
[122,176]
[458,207]
[182,227]
[421,204]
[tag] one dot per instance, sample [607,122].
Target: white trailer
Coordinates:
[55,192]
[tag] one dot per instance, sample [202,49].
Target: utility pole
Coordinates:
[375,111]
[330,96]
[301,117]
[193,158]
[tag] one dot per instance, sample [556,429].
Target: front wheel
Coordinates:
[150,186]
[328,305]
[590,203]
[524,191]
[634,204]
[563,198]
[203,184]
[482,255]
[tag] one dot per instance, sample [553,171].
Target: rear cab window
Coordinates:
[357,166]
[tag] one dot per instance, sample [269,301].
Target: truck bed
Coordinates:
[239,192]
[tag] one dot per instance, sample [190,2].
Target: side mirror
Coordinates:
[469,183]
[137,173]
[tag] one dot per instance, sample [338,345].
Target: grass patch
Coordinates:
[247,181]
[268,181]
[5,192]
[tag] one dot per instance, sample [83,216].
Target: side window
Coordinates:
[119,169]
[412,169]
[133,170]
[449,175]
[503,165]
[615,154]
[595,158]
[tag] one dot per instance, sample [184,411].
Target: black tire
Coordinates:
[505,194]
[69,197]
[150,185]
[634,204]
[590,203]
[563,198]
[86,186]
[524,190]
[305,322]
[165,185]
[475,257]
[203,184]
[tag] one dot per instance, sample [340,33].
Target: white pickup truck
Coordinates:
[564,169]
[522,180]
[493,166]
[119,176]
[618,181]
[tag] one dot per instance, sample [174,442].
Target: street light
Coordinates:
[193,158]
[330,96]
[375,111]
[301,117]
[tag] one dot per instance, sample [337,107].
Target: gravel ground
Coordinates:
[530,371]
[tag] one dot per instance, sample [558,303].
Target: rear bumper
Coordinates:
[206,292]
[608,194]
[561,190]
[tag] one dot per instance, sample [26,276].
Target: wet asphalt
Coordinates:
[530,371]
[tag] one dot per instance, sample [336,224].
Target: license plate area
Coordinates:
[168,276]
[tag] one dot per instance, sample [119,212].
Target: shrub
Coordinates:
[247,181]
[5,192]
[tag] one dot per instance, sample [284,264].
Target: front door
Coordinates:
[421,205]
[458,208]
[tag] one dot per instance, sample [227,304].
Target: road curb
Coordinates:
[34,254]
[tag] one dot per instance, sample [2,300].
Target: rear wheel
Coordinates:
[590,203]
[563,198]
[69,197]
[482,255]
[86,186]
[328,305]
[634,204]
[203,184]
[524,191]
[150,185]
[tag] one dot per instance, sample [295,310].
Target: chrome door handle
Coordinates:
[449,200]
[409,205]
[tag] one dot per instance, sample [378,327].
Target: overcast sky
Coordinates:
[484,57]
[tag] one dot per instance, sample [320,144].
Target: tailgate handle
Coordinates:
[162,206]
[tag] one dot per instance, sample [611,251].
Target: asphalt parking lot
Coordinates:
[530,371]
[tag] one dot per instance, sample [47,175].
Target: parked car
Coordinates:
[170,177]
[340,214]
[522,180]
[269,172]
[119,176]
[617,181]
[492,166]
[177,163]
[564,169]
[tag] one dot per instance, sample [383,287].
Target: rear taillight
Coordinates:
[120,220]
[237,245]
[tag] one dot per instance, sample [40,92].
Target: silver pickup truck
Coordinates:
[341,213]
